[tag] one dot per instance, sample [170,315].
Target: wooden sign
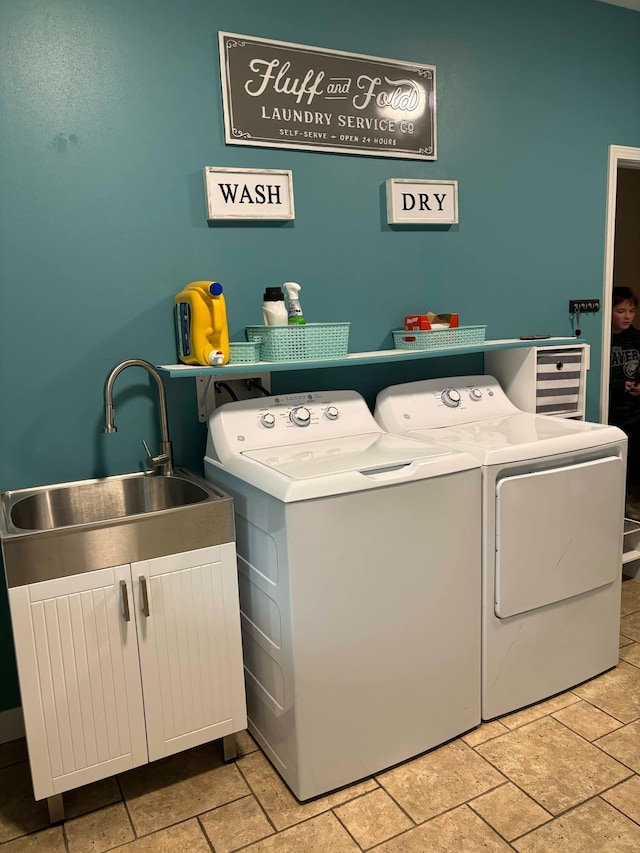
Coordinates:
[417,202]
[282,95]
[248,193]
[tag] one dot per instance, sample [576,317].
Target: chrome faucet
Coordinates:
[163,460]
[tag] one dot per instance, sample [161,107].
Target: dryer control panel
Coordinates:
[434,403]
[259,423]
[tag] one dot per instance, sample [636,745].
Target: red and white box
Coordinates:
[417,323]
[422,323]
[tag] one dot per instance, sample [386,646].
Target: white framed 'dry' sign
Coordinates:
[243,194]
[418,202]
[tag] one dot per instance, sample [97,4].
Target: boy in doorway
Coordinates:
[624,387]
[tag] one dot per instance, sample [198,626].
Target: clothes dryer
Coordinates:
[359,587]
[553,513]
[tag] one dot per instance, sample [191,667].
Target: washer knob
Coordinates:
[332,413]
[300,416]
[451,397]
[268,420]
[475,394]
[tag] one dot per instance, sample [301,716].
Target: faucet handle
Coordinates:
[162,460]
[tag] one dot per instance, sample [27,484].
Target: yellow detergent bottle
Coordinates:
[202,333]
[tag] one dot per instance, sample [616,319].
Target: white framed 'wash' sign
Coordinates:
[417,202]
[242,194]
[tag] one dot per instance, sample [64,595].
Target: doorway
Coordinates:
[621,159]
[622,268]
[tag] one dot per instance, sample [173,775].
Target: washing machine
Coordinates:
[553,511]
[359,588]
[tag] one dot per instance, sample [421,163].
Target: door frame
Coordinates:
[626,157]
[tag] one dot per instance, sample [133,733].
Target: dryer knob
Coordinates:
[475,394]
[332,413]
[451,398]
[268,420]
[300,416]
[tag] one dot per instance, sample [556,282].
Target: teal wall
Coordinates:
[111,109]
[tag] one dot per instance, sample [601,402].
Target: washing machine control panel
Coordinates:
[286,419]
[434,403]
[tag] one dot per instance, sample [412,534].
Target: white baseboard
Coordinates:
[11,724]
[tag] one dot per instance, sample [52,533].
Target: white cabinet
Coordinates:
[79,679]
[125,665]
[190,648]
[545,380]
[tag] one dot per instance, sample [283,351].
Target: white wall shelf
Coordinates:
[353,359]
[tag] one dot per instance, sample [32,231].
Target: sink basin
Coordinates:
[69,528]
[102,500]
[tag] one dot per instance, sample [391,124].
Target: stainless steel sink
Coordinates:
[67,528]
[100,500]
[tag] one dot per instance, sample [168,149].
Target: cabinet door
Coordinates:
[79,677]
[188,618]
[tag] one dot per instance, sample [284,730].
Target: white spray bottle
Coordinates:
[296,317]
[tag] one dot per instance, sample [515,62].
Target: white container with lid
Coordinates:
[274,311]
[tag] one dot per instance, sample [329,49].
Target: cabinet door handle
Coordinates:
[144,595]
[126,613]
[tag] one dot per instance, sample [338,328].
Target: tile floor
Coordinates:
[561,776]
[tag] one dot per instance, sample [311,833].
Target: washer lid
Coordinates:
[522,436]
[317,469]
[370,453]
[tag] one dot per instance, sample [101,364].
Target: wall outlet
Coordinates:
[584,306]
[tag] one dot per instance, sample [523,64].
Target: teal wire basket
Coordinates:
[244,352]
[463,336]
[297,343]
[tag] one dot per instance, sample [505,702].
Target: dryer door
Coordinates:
[558,533]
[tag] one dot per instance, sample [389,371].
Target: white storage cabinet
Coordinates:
[543,380]
[125,665]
